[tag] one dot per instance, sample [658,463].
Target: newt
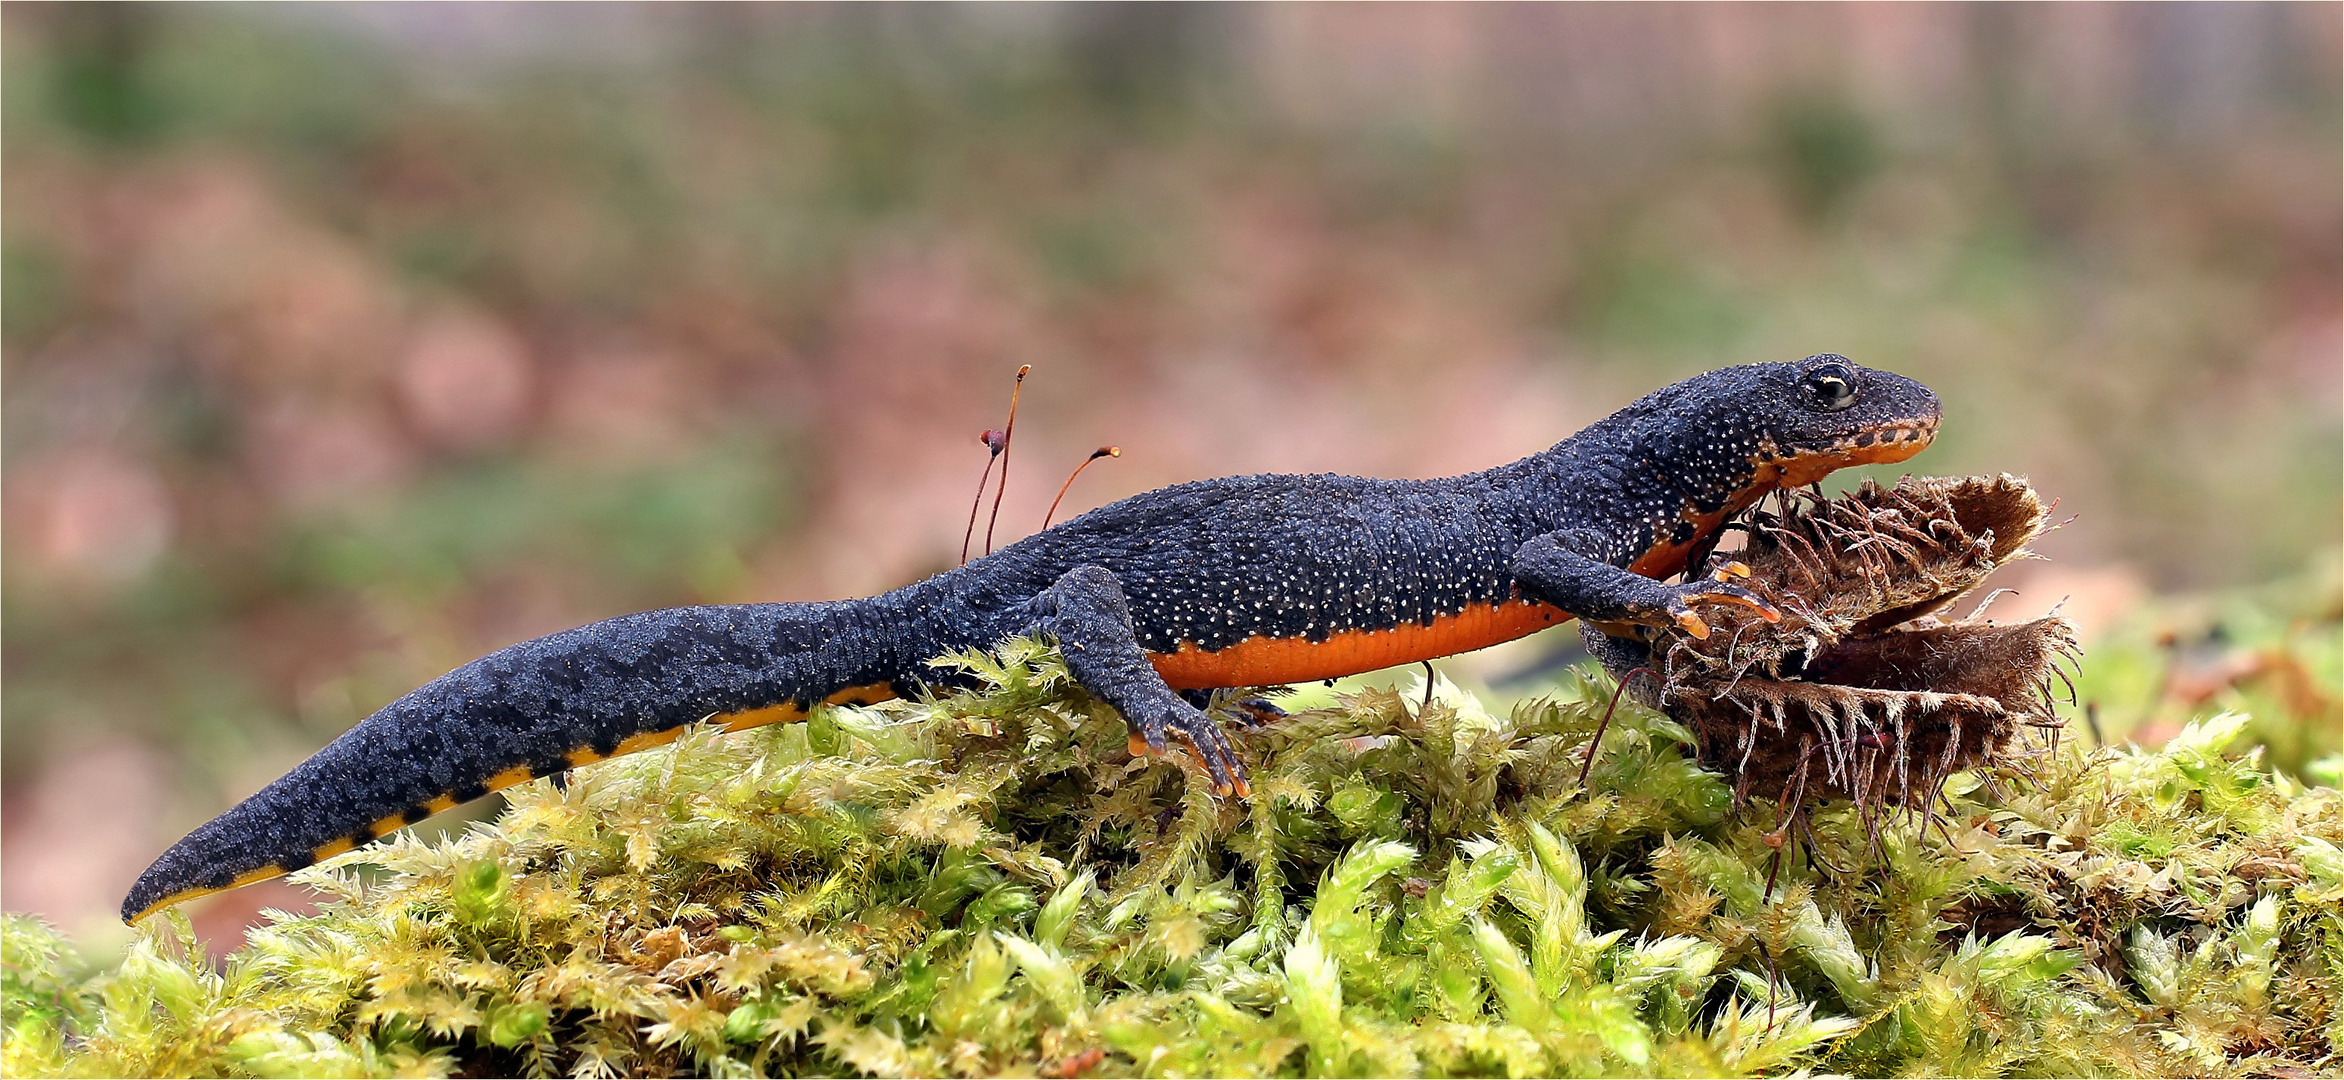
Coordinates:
[1235,582]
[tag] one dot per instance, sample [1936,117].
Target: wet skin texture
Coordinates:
[1242,581]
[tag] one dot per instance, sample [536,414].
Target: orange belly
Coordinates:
[1264,661]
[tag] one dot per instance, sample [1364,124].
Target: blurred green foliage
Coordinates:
[1828,150]
[640,531]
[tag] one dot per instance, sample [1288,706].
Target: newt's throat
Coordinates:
[1774,469]
[1883,445]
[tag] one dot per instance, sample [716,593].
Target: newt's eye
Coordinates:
[1831,387]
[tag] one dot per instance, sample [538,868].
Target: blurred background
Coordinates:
[346,343]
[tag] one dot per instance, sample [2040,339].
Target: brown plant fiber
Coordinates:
[1864,690]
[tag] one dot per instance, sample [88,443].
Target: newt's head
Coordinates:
[1828,414]
[1727,437]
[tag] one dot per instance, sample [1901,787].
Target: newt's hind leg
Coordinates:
[1085,610]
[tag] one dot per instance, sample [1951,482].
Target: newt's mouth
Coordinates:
[1893,442]
[1879,445]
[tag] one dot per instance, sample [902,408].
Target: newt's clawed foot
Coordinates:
[1204,741]
[1716,590]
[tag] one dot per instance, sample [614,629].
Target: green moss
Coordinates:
[987,884]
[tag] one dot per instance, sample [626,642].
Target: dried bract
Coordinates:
[1863,690]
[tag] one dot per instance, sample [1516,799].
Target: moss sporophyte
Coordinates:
[988,883]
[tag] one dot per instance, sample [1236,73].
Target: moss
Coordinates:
[989,884]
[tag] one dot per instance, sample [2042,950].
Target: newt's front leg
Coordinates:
[1086,611]
[1552,568]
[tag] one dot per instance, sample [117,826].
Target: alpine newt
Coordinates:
[1241,581]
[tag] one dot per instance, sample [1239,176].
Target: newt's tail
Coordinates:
[537,708]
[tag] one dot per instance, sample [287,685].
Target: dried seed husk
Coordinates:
[1863,690]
